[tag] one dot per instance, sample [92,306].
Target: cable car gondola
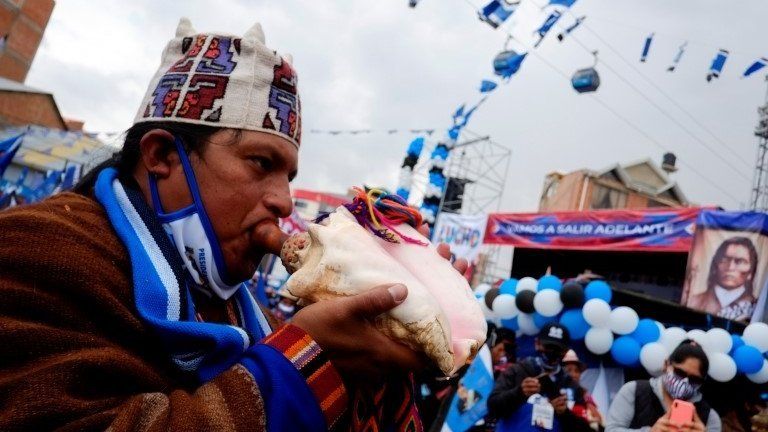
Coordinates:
[507,62]
[586,80]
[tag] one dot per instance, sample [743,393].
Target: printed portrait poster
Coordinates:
[728,265]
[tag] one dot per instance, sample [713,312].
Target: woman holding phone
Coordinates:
[663,403]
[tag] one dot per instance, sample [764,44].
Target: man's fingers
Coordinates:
[423,230]
[444,250]
[461,265]
[375,302]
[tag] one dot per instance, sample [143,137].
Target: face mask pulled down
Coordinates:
[191,232]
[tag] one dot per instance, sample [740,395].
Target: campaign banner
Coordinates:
[464,233]
[469,403]
[615,230]
[728,265]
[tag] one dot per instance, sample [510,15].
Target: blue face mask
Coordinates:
[191,232]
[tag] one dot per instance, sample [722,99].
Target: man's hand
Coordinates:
[444,250]
[559,404]
[530,386]
[344,329]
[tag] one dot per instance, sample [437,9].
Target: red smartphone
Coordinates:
[681,412]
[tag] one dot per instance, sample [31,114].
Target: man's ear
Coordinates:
[158,154]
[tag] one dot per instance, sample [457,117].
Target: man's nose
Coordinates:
[279,201]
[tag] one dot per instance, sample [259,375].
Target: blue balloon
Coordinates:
[748,359]
[509,286]
[646,332]
[550,282]
[540,319]
[510,324]
[737,342]
[626,351]
[598,290]
[574,321]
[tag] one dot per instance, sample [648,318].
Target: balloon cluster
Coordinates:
[527,304]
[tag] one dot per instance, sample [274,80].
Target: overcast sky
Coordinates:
[366,64]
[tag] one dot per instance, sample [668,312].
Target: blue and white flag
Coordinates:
[71,176]
[754,67]
[646,47]
[8,149]
[548,24]
[458,114]
[571,28]
[566,3]
[469,403]
[717,64]
[497,11]
[678,56]
[487,86]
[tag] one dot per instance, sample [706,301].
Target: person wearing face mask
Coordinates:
[124,306]
[533,394]
[644,405]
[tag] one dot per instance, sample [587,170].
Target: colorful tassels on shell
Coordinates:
[379,212]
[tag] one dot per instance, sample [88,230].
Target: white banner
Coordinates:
[463,233]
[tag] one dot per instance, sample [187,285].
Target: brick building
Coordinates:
[642,184]
[22,24]
[21,105]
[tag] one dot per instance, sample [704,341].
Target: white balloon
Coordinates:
[661,328]
[489,315]
[719,340]
[504,306]
[721,366]
[527,284]
[527,326]
[623,320]
[547,302]
[756,334]
[652,357]
[761,376]
[482,289]
[598,340]
[672,337]
[700,337]
[597,312]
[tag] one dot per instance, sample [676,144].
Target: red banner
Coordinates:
[669,230]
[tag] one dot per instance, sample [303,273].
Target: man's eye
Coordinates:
[263,163]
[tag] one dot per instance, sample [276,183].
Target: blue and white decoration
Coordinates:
[527,304]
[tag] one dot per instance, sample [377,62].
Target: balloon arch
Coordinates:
[527,304]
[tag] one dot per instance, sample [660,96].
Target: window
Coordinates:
[607,198]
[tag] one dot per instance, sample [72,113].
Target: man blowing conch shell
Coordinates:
[123,304]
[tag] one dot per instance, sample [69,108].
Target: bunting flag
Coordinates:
[717,65]
[458,114]
[548,24]
[566,3]
[497,11]
[71,176]
[678,56]
[47,188]
[646,47]
[8,149]
[487,86]
[369,131]
[754,67]
[570,29]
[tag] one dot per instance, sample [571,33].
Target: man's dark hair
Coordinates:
[195,138]
[720,254]
[690,349]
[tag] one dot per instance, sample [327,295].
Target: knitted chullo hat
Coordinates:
[224,81]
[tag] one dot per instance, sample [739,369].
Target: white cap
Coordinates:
[224,81]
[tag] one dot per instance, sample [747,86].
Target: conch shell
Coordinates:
[339,257]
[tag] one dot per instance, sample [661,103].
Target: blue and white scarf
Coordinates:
[161,288]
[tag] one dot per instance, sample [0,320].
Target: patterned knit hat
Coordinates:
[224,81]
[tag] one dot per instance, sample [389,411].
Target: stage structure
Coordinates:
[476,174]
[759,198]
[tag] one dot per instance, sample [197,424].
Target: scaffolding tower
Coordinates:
[476,175]
[759,197]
